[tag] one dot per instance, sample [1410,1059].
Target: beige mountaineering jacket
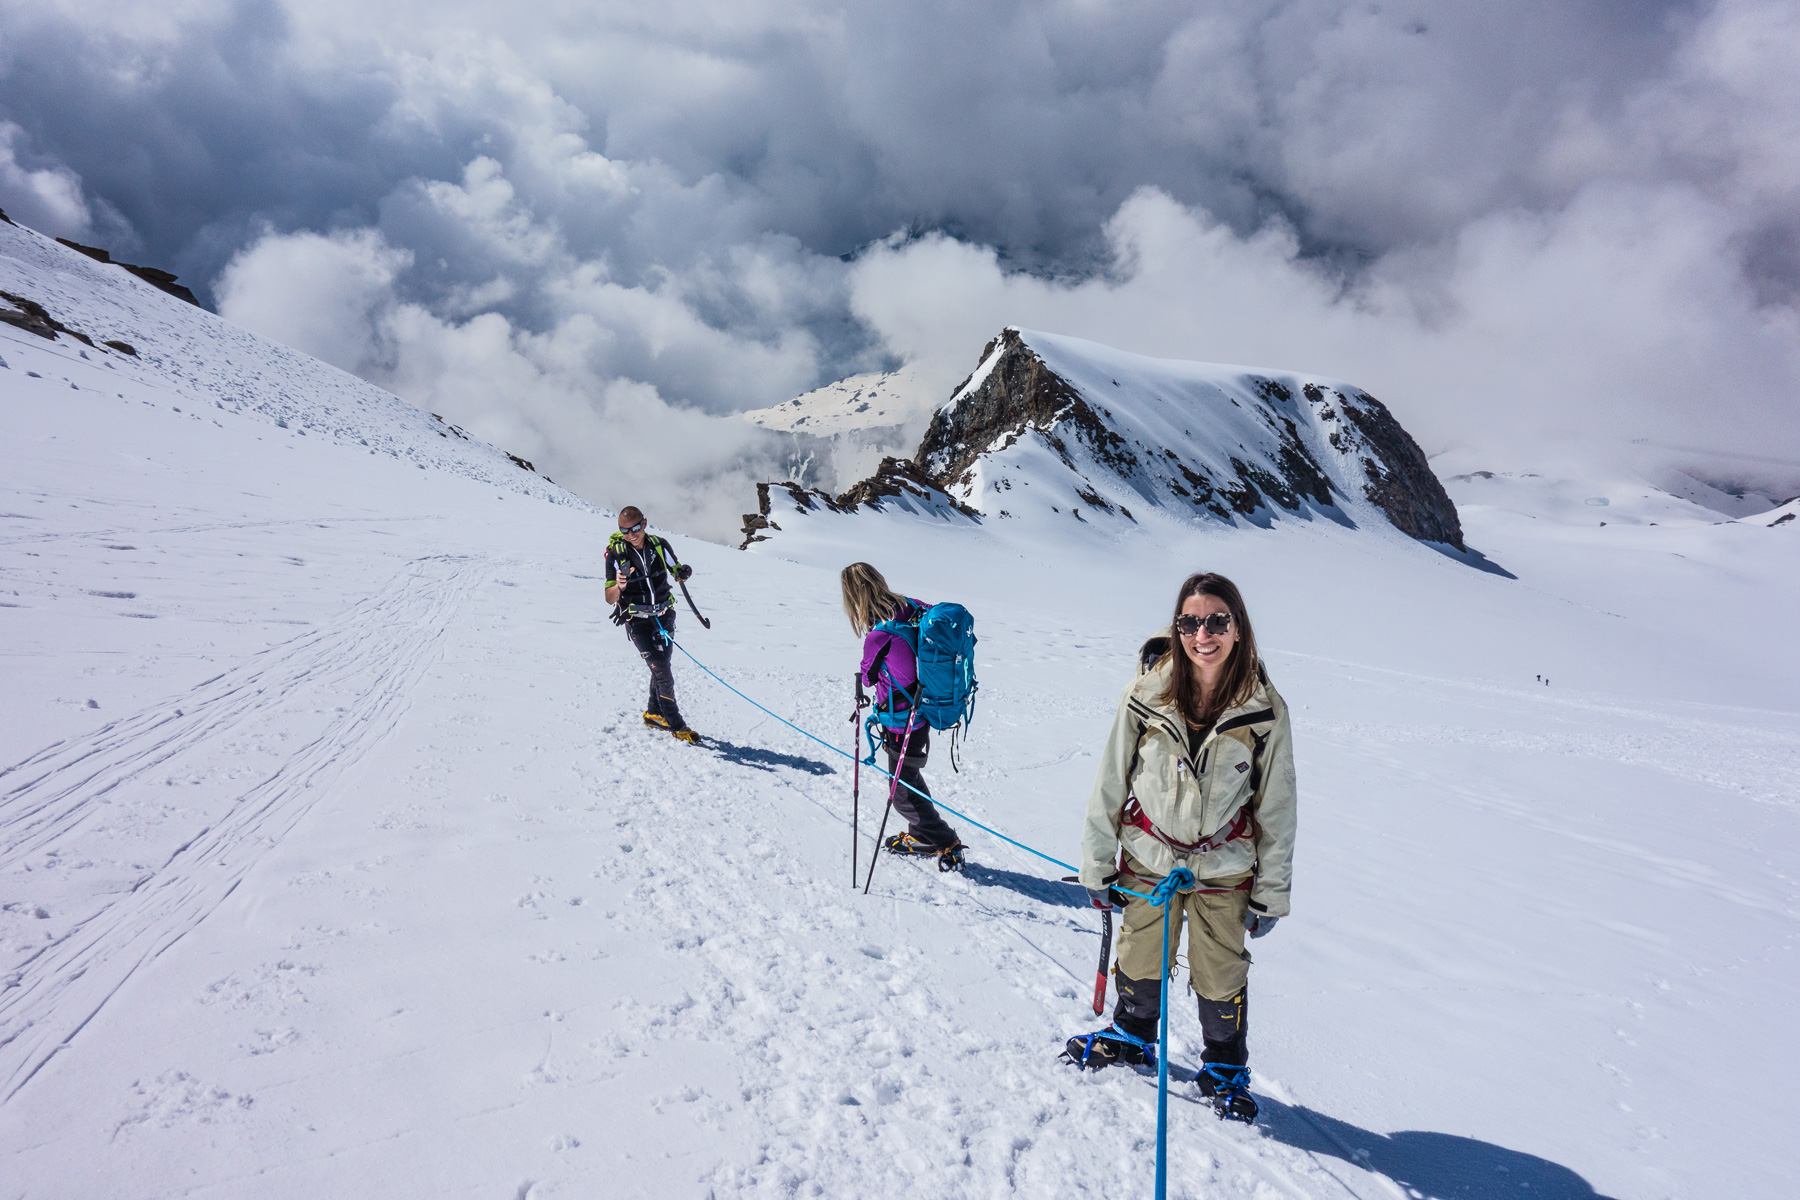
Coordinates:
[1242,778]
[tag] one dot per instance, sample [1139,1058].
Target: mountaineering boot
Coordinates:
[688,736]
[1104,1047]
[1228,1087]
[906,843]
[950,858]
[656,720]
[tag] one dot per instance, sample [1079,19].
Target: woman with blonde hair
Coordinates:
[889,665]
[1198,772]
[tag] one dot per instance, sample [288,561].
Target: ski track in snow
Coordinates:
[358,674]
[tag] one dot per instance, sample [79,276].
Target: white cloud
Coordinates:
[1525,336]
[1582,224]
[573,398]
[47,198]
[323,294]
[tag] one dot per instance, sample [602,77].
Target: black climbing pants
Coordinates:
[919,813]
[658,652]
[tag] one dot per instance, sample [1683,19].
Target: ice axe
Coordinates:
[682,584]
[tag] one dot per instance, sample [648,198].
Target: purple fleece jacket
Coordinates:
[899,665]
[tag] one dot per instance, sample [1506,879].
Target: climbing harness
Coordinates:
[1244,828]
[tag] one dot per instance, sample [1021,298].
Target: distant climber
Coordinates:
[1198,772]
[638,567]
[890,666]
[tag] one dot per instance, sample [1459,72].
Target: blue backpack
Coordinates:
[943,645]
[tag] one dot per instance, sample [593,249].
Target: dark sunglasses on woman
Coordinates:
[1187,625]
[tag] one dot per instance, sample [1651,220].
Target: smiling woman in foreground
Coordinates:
[1198,772]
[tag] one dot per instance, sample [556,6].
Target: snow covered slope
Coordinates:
[876,403]
[334,859]
[1225,442]
[125,333]
[842,431]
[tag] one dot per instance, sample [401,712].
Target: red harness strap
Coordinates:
[1242,828]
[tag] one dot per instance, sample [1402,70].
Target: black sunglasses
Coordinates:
[638,528]
[1187,625]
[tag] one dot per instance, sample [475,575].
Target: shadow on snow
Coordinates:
[768,760]
[1044,891]
[1434,1164]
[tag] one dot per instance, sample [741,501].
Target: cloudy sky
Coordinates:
[1544,232]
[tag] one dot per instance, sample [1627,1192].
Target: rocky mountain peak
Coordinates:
[1220,441]
[1058,426]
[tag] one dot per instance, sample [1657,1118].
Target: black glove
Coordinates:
[683,573]
[1101,898]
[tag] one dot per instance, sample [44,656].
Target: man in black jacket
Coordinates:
[638,566]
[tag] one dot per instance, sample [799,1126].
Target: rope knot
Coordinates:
[1179,880]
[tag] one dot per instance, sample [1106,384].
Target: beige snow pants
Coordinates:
[1218,964]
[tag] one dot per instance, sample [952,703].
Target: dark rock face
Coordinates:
[156,277]
[1020,393]
[1399,480]
[32,317]
[894,479]
[5,218]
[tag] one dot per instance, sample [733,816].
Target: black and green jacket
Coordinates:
[646,587]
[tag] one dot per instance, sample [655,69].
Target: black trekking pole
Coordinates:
[704,623]
[893,790]
[855,775]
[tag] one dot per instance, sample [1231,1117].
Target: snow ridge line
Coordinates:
[372,659]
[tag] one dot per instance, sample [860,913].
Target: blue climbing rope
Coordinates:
[841,751]
[1179,880]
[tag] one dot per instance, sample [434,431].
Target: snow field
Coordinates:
[363,878]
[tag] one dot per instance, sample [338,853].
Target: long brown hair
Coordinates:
[867,598]
[1238,682]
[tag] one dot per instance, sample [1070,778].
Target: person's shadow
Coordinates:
[1438,1165]
[767,760]
[1045,891]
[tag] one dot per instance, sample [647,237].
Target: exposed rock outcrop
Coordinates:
[896,480]
[33,317]
[1398,479]
[156,277]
